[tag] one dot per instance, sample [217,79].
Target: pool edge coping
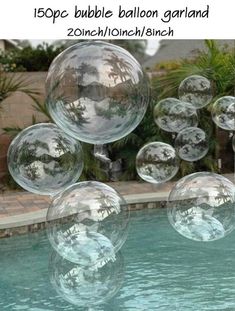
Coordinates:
[37,217]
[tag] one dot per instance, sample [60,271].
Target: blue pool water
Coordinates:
[163,271]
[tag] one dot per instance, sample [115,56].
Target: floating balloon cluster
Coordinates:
[96,93]
[201,206]
[159,162]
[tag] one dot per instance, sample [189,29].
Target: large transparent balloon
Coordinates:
[86,287]
[87,223]
[201,206]
[196,90]
[157,162]
[173,115]
[96,92]
[223,113]
[191,144]
[44,160]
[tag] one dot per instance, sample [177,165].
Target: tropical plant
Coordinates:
[218,65]
[10,83]
[39,58]
[29,58]
[136,47]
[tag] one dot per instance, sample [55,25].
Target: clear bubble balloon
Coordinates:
[196,90]
[201,206]
[87,223]
[43,159]
[157,162]
[223,113]
[162,115]
[85,287]
[173,115]
[96,92]
[191,144]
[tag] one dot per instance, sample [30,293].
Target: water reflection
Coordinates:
[86,287]
[163,271]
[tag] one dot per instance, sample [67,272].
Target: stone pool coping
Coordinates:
[34,221]
[22,212]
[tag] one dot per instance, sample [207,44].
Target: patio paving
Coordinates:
[16,203]
[22,208]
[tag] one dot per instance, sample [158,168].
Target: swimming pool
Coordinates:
[163,271]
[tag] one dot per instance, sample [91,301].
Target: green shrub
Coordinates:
[218,65]
[29,58]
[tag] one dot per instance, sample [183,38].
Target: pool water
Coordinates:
[163,271]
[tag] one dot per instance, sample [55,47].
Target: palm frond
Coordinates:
[41,107]
[12,131]
[9,84]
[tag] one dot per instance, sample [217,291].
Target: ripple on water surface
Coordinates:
[164,271]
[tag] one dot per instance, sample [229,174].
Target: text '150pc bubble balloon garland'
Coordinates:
[98,93]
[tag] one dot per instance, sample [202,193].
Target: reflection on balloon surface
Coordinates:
[223,113]
[196,90]
[157,162]
[191,144]
[87,223]
[86,287]
[201,206]
[96,92]
[173,115]
[44,160]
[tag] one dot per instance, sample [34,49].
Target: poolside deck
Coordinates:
[22,208]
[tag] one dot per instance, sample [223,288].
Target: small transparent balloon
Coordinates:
[191,144]
[223,113]
[97,92]
[162,116]
[43,159]
[201,206]
[85,287]
[87,223]
[196,90]
[173,115]
[157,162]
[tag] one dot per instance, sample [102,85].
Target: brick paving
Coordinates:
[20,202]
